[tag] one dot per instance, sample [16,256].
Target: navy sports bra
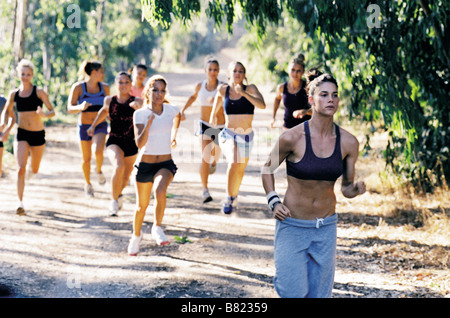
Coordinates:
[95,99]
[241,106]
[27,104]
[311,167]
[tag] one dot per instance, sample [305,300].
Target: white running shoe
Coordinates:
[159,236]
[206,196]
[89,190]
[114,209]
[133,246]
[120,201]
[101,178]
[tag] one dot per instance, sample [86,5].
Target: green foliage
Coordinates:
[395,62]
[182,240]
[116,37]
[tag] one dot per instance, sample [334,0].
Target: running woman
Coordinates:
[87,97]
[30,137]
[238,102]
[155,129]
[294,97]
[205,92]
[138,74]
[121,147]
[317,153]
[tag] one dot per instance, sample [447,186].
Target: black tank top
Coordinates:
[27,104]
[121,118]
[293,102]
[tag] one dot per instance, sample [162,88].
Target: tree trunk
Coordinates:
[19,30]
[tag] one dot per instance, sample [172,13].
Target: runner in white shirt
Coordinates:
[155,128]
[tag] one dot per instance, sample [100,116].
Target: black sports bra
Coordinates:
[241,106]
[311,167]
[27,104]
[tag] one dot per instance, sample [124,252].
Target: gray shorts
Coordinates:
[305,257]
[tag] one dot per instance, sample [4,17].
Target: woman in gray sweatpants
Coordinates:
[317,153]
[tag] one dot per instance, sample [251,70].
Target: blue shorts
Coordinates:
[228,140]
[100,128]
[305,257]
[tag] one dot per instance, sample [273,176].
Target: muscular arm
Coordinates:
[276,103]
[279,153]
[349,188]
[101,116]
[218,104]
[254,96]
[44,97]
[141,130]
[190,101]
[72,105]
[8,118]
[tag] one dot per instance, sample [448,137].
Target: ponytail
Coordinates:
[86,69]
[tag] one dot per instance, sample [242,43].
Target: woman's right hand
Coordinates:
[281,212]
[90,131]
[150,118]
[85,105]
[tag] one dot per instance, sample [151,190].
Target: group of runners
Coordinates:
[142,131]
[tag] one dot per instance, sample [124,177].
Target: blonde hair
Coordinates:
[25,63]
[149,85]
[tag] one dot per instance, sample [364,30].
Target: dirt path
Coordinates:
[68,246]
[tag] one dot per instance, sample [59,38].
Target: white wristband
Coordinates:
[272,199]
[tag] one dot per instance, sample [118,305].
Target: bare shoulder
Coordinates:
[292,136]
[77,86]
[348,141]
[40,91]
[222,88]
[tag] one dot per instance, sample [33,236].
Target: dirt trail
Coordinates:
[68,246]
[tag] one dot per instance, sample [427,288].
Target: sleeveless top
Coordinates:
[206,98]
[95,99]
[293,102]
[27,104]
[311,167]
[121,119]
[241,106]
[137,92]
[160,132]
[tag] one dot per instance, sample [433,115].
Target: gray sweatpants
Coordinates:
[305,257]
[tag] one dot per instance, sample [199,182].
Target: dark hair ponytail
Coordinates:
[122,73]
[86,69]
[315,77]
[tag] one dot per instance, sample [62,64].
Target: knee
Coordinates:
[87,160]
[141,208]
[160,193]
[21,171]
[119,167]
[98,151]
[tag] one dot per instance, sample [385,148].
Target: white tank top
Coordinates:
[205,97]
[160,132]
